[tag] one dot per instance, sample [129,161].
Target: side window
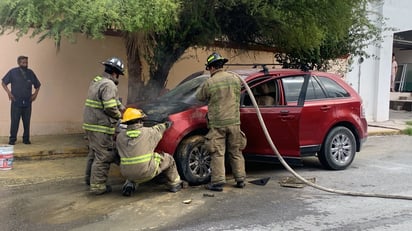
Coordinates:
[292,87]
[314,90]
[262,91]
[333,89]
[266,94]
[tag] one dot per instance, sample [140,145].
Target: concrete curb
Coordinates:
[52,154]
[385,133]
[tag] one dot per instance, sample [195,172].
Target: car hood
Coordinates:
[159,111]
[179,99]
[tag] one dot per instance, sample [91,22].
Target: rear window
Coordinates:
[333,89]
[315,90]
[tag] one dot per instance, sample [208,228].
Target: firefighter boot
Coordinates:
[176,188]
[128,188]
[240,184]
[97,189]
[218,187]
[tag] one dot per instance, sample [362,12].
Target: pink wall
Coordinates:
[194,60]
[65,76]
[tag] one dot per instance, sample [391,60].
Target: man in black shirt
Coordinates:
[22,80]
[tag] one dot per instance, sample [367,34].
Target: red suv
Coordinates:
[307,113]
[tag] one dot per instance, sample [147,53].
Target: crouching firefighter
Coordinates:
[138,161]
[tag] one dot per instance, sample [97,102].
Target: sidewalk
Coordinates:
[393,126]
[50,147]
[75,145]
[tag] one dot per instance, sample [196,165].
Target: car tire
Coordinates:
[338,149]
[193,160]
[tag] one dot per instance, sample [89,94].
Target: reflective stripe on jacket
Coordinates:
[102,106]
[136,144]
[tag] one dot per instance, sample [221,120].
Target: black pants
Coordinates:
[25,114]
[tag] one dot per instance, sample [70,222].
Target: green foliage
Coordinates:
[407,131]
[308,32]
[303,32]
[57,19]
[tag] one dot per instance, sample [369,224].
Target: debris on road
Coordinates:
[293,182]
[261,182]
[208,195]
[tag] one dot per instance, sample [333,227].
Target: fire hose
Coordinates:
[294,173]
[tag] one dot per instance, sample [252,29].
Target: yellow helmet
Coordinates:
[132,114]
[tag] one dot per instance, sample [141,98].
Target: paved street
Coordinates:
[50,195]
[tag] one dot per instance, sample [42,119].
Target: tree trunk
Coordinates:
[134,69]
[160,70]
[144,83]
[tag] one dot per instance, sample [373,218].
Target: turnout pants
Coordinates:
[168,167]
[101,154]
[228,139]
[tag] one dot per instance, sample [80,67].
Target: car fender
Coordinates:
[184,123]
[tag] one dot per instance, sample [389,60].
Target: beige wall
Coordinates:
[194,60]
[65,76]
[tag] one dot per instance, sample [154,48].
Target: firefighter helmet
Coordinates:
[115,63]
[215,58]
[132,114]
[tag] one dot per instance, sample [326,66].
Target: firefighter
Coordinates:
[138,161]
[222,92]
[102,113]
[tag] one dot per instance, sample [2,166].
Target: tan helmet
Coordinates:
[132,114]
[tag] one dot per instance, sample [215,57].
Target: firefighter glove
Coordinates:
[168,124]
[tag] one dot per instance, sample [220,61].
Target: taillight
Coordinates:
[362,111]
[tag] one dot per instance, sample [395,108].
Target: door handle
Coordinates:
[287,117]
[325,108]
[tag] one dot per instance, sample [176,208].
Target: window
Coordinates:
[333,89]
[265,93]
[314,90]
[292,87]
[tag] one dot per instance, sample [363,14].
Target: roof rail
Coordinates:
[305,67]
[255,65]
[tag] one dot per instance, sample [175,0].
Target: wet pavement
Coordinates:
[50,195]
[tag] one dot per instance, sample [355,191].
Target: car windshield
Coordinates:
[176,100]
[185,92]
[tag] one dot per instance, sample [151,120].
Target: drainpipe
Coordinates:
[360,61]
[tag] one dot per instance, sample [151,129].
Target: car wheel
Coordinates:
[338,149]
[193,160]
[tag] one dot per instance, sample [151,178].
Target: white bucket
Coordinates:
[6,157]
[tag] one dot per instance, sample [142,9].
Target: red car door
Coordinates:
[318,116]
[282,121]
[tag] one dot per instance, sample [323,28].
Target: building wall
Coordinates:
[65,76]
[371,78]
[193,60]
